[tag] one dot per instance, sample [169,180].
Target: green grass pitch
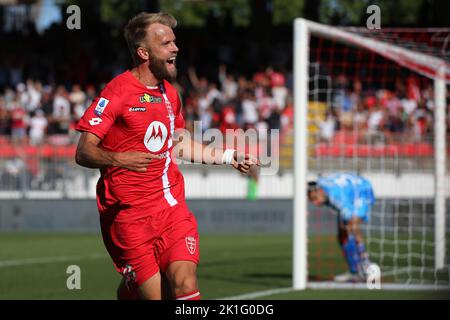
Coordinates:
[33,266]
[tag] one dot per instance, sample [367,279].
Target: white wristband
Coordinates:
[228,156]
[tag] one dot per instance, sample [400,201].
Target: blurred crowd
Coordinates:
[35,113]
[262,101]
[403,114]
[38,113]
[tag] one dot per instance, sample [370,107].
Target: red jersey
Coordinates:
[128,116]
[18,116]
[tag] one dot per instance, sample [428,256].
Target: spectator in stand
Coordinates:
[228,118]
[203,102]
[260,78]
[9,97]
[243,83]
[397,122]
[262,128]
[422,122]
[47,108]
[22,95]
[213,93]
[249,110]
[356,95]
[207,119]
[34,95]
[327,127]
[77,98]
[274,120]
[375,119]
[393,103]
[343,103]
[199,84]
[38,127]
[428,96]
[61,115]
[279,90]
[413,89]
[4,118]
[266,104]
[228,84]
[360,118]
[19,122]
[287,116]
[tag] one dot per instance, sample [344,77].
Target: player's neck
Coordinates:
[145,76]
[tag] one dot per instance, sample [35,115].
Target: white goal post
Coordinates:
[426,65]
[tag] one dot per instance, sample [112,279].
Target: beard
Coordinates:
[158,68]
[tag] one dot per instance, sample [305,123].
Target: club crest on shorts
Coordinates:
[128,274]
[191,244]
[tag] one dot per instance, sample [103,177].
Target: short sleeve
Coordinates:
[101,114]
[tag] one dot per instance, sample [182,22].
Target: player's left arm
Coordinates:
[193,151]
[188,149]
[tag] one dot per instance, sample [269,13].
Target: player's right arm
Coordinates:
[90,155]
[95,125]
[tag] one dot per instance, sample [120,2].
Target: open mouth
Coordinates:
[171,60]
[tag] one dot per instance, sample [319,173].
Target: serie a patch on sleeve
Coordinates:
[101,105]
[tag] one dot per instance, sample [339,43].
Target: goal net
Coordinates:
[374,103]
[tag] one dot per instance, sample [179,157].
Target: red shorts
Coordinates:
[141,248]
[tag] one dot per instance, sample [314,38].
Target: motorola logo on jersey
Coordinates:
[155,137]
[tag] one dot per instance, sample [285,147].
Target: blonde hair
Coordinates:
[135,31]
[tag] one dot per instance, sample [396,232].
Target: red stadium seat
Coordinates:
[46,151]
[345,137]
[364,150]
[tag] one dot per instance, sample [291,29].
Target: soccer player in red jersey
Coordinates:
[128,133]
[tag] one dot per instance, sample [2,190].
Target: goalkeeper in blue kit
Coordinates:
[351,196]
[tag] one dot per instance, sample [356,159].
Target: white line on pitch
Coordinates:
[258,294]
[334,285]
[384,286]
[21,262]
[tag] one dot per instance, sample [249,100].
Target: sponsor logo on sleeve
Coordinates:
[100,107]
